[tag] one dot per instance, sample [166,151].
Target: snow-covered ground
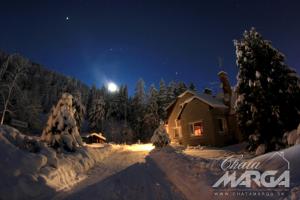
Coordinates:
[112,171]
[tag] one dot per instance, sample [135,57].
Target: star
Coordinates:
[67,18]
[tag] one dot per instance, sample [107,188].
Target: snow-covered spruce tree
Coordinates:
[123,103]
[96,114]
[80,110]
[91,97]
[162,99]
[181,87]
[171,92]
[138,109]
[61,130]
[151,118]
[192,87]
[268,91]
[160,137]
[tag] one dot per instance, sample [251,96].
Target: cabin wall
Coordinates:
[195,111]
[174,114]
[222,137]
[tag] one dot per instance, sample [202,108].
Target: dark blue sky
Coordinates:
[124,40]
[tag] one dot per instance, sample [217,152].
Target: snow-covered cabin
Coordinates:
[203,119]
[93,138]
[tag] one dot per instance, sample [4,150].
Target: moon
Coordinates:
[112,87]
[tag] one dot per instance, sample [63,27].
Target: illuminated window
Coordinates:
[197,128]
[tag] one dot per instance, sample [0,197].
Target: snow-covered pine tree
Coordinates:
[80,110]
[122,103]
[181,88]
[162,99]
[171,92]
[151,118]
[61,130]
[138,109]
[91,97]
[112,106]
[160,136]
[192,87]
[267,89]
[96,114]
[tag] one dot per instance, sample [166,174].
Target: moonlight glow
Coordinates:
[112,87]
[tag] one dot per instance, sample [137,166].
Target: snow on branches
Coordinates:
[160,137]
[268,92]
[62,130]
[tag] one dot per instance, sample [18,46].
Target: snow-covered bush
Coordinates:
[62,130]
[160,137]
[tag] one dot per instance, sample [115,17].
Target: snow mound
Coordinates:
[19,167]
[280,160]
[29,169]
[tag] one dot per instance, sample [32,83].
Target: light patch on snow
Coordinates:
[140,147]
[94,145]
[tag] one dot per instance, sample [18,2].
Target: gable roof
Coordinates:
[206,98]
[215,102]
[211,101]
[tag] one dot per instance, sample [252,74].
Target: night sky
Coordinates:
[122,41]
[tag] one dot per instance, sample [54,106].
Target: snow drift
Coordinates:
[29,169]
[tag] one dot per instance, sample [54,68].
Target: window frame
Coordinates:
[224,126]
[177,128]
[192,128]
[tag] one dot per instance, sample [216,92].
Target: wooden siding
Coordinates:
[174,113]
[195,111]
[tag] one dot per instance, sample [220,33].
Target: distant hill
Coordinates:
[41,86]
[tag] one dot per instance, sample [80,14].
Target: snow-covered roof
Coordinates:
[99,135]
[206,98]
[215,102]
[170,104]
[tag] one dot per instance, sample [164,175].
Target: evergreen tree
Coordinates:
[171,92]
[192,87]
[80,111]
[151,118]
[122,102]
[162,99]
[91,96]
[62,130]
[138,109]
[96,114]
[268,90]
[181,88]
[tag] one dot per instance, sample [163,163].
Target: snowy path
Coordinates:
[124,175]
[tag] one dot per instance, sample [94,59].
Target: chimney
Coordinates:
[223,76]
